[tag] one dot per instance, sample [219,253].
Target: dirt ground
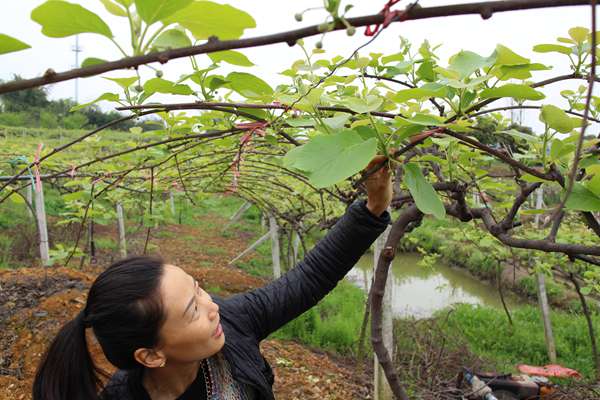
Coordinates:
[35,302]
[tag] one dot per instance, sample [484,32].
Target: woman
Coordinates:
[171,340]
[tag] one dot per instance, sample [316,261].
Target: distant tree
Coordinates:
[490,131]
[24,100]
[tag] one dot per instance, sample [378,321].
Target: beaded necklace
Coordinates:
[222,384]
[205,366]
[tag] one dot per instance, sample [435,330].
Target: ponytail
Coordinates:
[125,310]
[67,370]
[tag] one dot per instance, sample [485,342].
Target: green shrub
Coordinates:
[48,120]
[13,118]
[75,121]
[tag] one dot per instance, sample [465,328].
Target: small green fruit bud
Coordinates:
[350,31]
[159,74]
[138,88]
[319,45]
[298,17]
[324,27]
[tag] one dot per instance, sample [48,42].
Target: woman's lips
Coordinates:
[218,331]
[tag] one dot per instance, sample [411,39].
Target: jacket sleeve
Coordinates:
[266,309]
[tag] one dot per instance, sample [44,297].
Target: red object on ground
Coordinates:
[554,370]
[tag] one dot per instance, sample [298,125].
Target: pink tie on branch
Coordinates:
[251,128]
[388,17]
[38,178]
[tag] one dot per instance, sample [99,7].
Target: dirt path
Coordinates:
[35,303]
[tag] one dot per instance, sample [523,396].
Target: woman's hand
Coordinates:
[379,187]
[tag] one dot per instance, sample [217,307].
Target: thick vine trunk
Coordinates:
[377,293]
[381,388]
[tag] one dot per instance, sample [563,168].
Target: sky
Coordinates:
[519,30]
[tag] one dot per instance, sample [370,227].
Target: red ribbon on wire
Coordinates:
[388,17]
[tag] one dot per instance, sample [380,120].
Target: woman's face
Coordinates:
[191,331]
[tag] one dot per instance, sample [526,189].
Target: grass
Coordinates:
[489,335]
[333,324]
[5,253]
[106,243]
[260,264]
[214,251]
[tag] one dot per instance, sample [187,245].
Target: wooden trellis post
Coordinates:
[40,211]
[542,293]
[172,202]
[295,248]
[381,388]
[274,232]
[252,247]
[121,228]
[238,214]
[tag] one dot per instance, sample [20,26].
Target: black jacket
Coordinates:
[250,317]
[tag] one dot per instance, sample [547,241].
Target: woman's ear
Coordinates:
[150,358]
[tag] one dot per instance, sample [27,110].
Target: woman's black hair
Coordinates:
[125,311]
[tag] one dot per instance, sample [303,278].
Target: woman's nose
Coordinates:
[214,312]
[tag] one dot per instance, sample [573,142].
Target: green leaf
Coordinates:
[205,19]
[123,82]
[297,122]
[552,48]
[328,159]
[105,96]
[215,81]
[337,122]
[560,149]
[594,184]
[159,85]
[152,11]
[583,199]
[579,34]
[114,9]
[516,91]
[362,106]
[465,63]
[231,57]
[424,120]
[419,93]
[88,62]
[9,44]
[16,198]
[423,192]
[586,291]
[523,71]
[171,39]
[505,56]
[61,19]
[248,85]
[556,119]
[521,135]
[426,72]
[125,3]
[532,179]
